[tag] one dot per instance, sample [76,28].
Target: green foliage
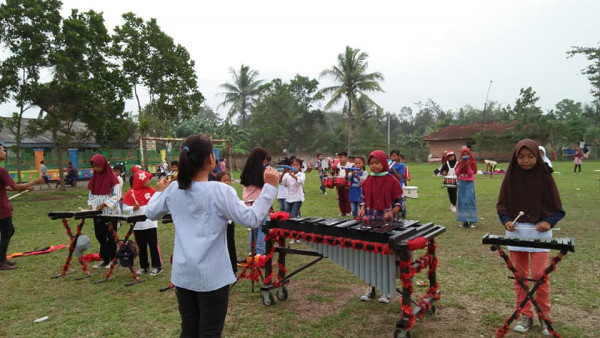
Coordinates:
[239,94]
[592,71]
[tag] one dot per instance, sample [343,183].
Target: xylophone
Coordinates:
[564,245]
[377,251]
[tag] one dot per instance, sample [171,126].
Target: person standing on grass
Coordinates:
[294,181]
[322,172]
[224,177]
[357,178]
[252,178]
[44,175]
[282,190]
[466,211]
[448,169]
[7,228]
[546,160]
[529,187]
[201,210]
[381,199]
[146,232]
[105,196]
[577,160]
[342,192]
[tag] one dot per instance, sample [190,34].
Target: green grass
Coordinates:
[323,300]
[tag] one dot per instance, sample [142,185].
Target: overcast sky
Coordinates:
[445,50]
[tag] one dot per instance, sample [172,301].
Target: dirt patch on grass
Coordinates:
[50,197]
[311,302]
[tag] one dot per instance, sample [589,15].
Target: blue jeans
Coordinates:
[322,187]
[259,236]
[355,208]
[282,205]
[294,208]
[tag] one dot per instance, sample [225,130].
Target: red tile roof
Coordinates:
[467,131]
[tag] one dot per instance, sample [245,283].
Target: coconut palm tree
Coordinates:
[352,80]
[238,94]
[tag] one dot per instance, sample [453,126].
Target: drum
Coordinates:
[348,183]
[449,182]
[411,192]
[324,164]
[328,182]
[306,167]
[339,181]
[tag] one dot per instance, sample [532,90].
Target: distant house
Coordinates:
[457,136]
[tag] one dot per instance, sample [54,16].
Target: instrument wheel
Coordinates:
[282,293]
[267,298]
[431,311]
[401,333]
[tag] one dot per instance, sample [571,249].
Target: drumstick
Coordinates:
[555,229]
[521,213]
[19,194]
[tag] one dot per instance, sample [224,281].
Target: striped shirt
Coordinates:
[111,201]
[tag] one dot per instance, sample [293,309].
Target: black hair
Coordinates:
[285,161]
[268,158]
[351,156]
[401,156]
[42,161]
[343,153]
[319,154]
[363,160]
[221,174]
[298,160]
[115,167]
[254,168]
[194,151]
[397,152]
[175,163]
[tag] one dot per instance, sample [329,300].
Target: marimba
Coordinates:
[378,252]
[81,216]
[564,245]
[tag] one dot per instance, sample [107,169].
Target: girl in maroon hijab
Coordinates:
[529,187]
[382,199]
[103,196]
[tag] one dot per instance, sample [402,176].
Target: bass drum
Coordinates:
[306,167]
[324,164]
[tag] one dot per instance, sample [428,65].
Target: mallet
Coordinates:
[19,194]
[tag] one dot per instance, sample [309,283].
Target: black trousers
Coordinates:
[231,246]
[577,166]
[108,246]
[452,195]
[6,231]
[202,313]
[148,238]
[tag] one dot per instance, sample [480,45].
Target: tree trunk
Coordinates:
[138,100]
[349,123]
[58,150]
[18,140]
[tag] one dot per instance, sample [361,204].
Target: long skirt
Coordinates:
[466,209]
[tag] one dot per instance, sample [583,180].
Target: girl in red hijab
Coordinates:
[105,197]
[382,199]
[466,209]
[146,232]
[529,187]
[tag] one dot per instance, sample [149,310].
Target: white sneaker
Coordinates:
[384,298]
[142,271]
[472,225]
[368,295]
[156,271]
[524,324]
[107,266]
[453,209]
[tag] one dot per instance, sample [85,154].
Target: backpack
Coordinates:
[127,254]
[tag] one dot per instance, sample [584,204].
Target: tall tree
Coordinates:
[85,87]
[238,94]
[352,80]
[27,32]
[592,71]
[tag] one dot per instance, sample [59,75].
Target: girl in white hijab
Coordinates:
[546,159]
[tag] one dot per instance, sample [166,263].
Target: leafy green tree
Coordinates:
[26,31]
[238,94]
[85,87]
[592,71]
[532,123]
[352,80]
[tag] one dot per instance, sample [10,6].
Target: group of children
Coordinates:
[203,213]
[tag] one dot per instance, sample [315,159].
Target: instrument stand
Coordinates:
[73,238]
[251,271]
[505,328]
[125,241]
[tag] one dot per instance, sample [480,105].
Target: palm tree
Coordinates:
[238,93]
[352,79]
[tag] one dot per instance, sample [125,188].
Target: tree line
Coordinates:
[73,69]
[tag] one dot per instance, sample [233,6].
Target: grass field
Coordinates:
[323,300]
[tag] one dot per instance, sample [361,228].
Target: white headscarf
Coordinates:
[544,157]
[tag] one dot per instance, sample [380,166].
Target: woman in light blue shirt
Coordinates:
[200,210]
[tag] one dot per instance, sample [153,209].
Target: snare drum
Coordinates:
[449,182]
[411,192]
[339,181]
[328,182]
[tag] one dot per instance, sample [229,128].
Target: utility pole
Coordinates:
[484,108]
[388,149]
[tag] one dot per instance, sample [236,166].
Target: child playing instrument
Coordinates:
[224,177]
[448,169]
[356,179]
[200,210]
[381,199]
[146,232]
[342,192]
[253,181]
[294,180]
[282,191]
[105,196]
[529,187]
[322,172]
[466,211]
